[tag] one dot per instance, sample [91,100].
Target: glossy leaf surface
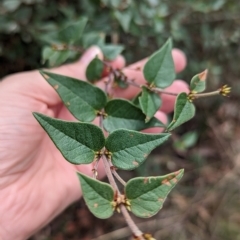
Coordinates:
[147,194]
[159,69]
[97,195]
[123,114]
[130,148]
[78,142]
[184,110]
[150,102]
[82,99]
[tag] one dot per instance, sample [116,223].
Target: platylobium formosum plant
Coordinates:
[117,141]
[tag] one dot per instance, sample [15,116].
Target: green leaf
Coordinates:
[186,141]
[78,142]
[98,196]
[146,195]
[184,110]
[198,82]
[159,70]
[150,102]
[123,114]
[129,148]
[111,51]
[135,100]
[73,32]
[94,70]
[56,58]
[11,5]
[92,38]
[124,19]
[82,99]
[47,52]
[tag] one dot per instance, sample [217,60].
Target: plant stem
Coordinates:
[118,177]
[109,174]
[64,47]
[135,230]
[131,223]
[201,95]
[133,83]
[158,90]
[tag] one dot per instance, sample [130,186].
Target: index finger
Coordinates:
[134,72]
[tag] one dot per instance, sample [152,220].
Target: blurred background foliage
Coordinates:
[206,204]
[208,31]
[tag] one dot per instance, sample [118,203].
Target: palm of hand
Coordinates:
[34,171]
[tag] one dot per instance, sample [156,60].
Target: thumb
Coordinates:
[78,69]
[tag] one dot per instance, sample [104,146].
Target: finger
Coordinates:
[134,72]
[168,101]
[117,63]
[78,69]
[179,59]
[160,116]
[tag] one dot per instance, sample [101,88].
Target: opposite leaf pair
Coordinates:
[82,143]
[86,102]
[144,195]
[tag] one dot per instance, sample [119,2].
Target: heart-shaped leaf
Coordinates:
[198,82]
[159,70]
[146,195]
[130,148]
[78,142]
[94,70]
[123,114]
[150,102]
[184,110]
[98,196]
[82,99]
[111,51]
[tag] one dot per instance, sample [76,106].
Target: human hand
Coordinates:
[36,183]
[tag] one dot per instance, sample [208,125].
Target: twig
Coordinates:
[131,223]
[109,173]
[209,94]
[158,90]
[118,177]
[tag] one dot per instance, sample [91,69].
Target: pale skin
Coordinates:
[36,183]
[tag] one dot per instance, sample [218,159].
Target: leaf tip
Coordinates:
[179,173]
[169,41]
[203,75]
[36,115]
[44,74]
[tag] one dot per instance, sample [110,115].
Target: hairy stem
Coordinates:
[109,173]
[135,230]
[131,223]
